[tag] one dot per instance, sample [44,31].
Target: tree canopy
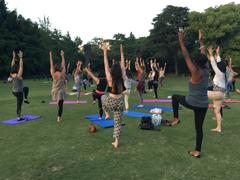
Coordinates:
[220,26]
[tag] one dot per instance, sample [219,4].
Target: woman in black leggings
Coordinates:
[18,90]
[101,82]
[197,98]
[155,77]
[58,85]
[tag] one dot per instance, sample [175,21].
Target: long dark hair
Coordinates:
[200,60]
[58,68]
[117,79]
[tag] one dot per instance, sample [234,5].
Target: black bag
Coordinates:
[146,123]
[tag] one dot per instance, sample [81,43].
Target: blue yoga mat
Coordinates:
[148,107]
[94,118]
[26,118]
[136,114]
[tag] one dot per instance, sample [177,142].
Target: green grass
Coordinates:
[43,149]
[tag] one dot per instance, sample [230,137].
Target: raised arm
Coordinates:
[96,79]
[165,65]
[212,60]
[122,62]
[200,39]
[13,59]
[20,71]
[51,64]
[106,67]
[194,72]
[63,63]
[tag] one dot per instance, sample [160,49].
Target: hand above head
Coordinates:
[62,53]
[85,69]
[50,53]
[210,50]
[20,54]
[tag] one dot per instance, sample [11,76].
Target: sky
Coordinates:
[103,18]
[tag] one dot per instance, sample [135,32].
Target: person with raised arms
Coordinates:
[102,86]
[162,74]
[140,77]
[77,80]
[197,99]
[219,85]
[114,101]
[155,76]
[58,86]
[18,90]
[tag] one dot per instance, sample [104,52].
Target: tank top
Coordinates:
[102,85]
[17,84]
[58,85]
[197,95]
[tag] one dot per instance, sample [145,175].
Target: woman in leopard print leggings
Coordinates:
[114,101]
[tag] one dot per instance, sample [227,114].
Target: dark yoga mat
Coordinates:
[148,107]
[94,118]
[26,118]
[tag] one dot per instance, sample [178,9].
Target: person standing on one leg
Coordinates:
[77,80]
[162,74]
[114,102]
[197,98]
[140,78]
[155,77]
[58,87]
[18,90]
[219,86]
[101,83]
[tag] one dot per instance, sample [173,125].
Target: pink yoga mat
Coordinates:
[157,100]
[232,100]
[69,102]
[211,105]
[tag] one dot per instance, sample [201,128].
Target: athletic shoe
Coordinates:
[20,119]
[140,105]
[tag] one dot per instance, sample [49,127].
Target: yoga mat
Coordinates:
[68,102]
[157,100]
[232,100]
[101,122]
[148,107]
[136,114]
[211,105]
[26,118]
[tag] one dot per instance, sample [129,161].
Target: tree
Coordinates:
[163,37]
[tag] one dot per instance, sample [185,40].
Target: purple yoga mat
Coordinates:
[157,100]
[69,102]
[26,118]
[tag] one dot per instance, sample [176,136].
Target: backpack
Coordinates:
[146,123]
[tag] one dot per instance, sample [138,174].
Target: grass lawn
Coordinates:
[43,149]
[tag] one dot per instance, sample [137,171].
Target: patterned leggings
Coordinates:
[114,105]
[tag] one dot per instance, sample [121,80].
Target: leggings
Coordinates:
[25,92]
[114,105]
[150,84]
[155,87]
[60,107]
[98,97]
[199,116]
[19,96]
